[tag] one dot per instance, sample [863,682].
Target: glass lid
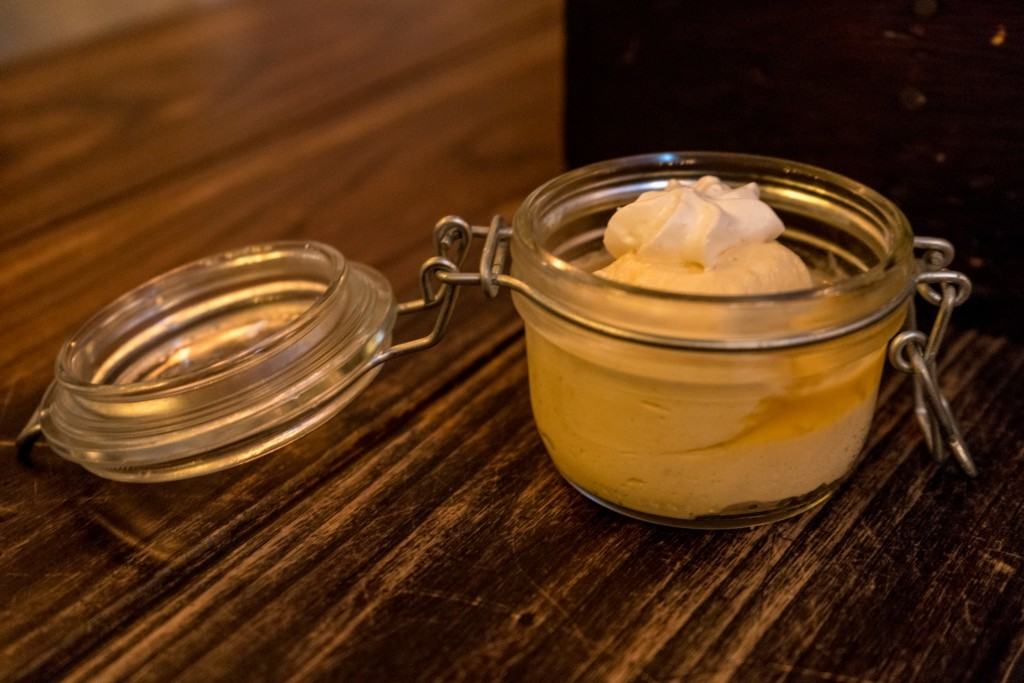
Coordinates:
[217,362]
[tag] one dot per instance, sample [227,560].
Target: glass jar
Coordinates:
[752,408]
[696,411]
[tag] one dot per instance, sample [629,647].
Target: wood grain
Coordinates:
[124,113]
[423,534]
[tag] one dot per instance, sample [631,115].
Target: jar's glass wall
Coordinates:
[711,438]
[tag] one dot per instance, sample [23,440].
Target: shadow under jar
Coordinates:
[694,411]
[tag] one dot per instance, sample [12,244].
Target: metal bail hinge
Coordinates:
[914,352]
[441,275]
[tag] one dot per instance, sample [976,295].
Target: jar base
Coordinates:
[791,508]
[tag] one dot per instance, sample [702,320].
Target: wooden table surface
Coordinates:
[423,533]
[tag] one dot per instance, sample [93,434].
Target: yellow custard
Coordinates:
[697,440]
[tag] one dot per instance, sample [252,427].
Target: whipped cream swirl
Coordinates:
[691,224]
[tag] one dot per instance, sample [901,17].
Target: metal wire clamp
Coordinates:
[916,353]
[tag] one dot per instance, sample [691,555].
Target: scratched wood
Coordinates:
[422,534]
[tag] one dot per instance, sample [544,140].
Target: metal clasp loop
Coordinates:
[452,238]
[494,255]
[915,353]
[441,276]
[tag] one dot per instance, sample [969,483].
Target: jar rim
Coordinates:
[535,203]
[235,362]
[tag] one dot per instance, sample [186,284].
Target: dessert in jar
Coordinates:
[705,336]
[749,428]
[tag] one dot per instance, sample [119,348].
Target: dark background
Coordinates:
[924,101]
